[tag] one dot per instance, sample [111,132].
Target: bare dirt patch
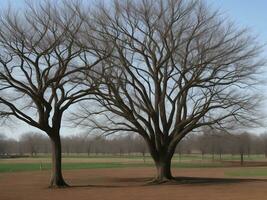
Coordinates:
[131,184]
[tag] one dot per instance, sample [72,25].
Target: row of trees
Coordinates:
[32,144]
[206,143]
[159,69]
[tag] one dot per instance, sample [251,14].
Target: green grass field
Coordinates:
[247,172]
[82,161]
[16,167]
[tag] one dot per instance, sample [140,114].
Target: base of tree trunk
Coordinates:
[163,172]
[58,184]
[156,181]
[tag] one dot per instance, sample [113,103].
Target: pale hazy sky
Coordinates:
[246,13]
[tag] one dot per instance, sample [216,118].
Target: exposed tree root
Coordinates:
[59,184]
[159,181]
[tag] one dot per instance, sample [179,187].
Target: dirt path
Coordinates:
[129,184]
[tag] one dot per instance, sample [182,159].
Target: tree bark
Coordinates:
[163,170]
[57,179]
[163,165]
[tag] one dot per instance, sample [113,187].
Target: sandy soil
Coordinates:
[131,184]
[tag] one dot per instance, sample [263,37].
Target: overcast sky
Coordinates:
[246,13]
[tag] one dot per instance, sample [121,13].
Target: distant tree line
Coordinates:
[32,144]
[211,143]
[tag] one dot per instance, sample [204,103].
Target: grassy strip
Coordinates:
[196,165]
[176,157]
[247,172]
[16,167]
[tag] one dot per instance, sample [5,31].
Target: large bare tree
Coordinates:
[42,58]
[175,67]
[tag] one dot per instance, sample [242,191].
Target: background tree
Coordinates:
[243,143]
[179,150]
[118,145]
[203,145]
[175,67]
[264,145]
[41,57]
[30,141]
[2,144]
[34,143]
[140,146]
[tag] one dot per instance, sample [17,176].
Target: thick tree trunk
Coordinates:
[163,166]
[56,177]
[162,156]
[163,170]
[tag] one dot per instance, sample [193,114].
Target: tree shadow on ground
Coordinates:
[197,181]
[210,181]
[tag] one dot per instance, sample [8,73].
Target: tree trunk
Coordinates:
[241,158]
[144,157]
[162,158]
[164,170]
[163,166]
[56,177]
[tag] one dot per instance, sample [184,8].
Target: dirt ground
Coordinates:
[131,184]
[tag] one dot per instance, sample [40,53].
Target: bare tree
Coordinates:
[203,144]
[29,141]
[66,145]
[2,144]
[264,139]
[243,142]
[175,67]
[33,143]
[41,61]
[141,147]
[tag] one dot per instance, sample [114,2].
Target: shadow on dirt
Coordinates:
[198,181]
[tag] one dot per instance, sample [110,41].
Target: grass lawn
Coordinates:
[247,172]
[16,167]
[73,161]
